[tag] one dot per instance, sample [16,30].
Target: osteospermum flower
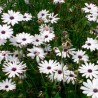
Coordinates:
[89,8]
[27,17]
[11,17]
[80,56]
[43,15]
[52,18]
[58,75]
[13,68]
[21,39]
[91,44]
[3,55]
[67,52]
[45,28]
[90,88]
[37,52]
[58,1]
[2,41]
[5,31]
[89,70]
[47,36]
[91,17]
[7,85]
[69,76]
[47,67]
[37,40]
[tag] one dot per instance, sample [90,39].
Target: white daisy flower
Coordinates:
[5,31]
[89,70]
[91,44]
[67,52]
[7,85]
[53,18]
[47,67]
[11,58]
[91,17]
[47,36]
[11,17]
[37,52]
[3,55]
[57,51]
[45,28]
[80,56]
[27,17]
[2,41]
[90,88]
[13,68]
[58,75]
[21,39]
[89,8]
[43,15]
[69,76]
[37,40]
[58,1]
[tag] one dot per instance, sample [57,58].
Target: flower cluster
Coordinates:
[92,12]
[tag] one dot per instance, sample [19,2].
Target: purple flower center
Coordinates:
[95,90]
[89,44]
[13,69]
[59,72]
[24,39]
[3,32]
[11,17]
[43,14]
[18,43]
[48,67]
[24,17]
[6,86]
[37,40]
[46,36]
[89,70]
[65,50]
[80,57]
[71,75]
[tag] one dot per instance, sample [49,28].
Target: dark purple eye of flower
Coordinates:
[65,50]
[43,14]
[95,90]
[11,17]
[89,70]
[50,18]
[46,36]
[18,42]
[91,16]
[80,57]
[59,72]
[24,39]
[71,75]
[37,40]
[89,8]
[3,32]
[48,67]
[13,69]
[89,44]
[35,52]
[24,17]
[6,86]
